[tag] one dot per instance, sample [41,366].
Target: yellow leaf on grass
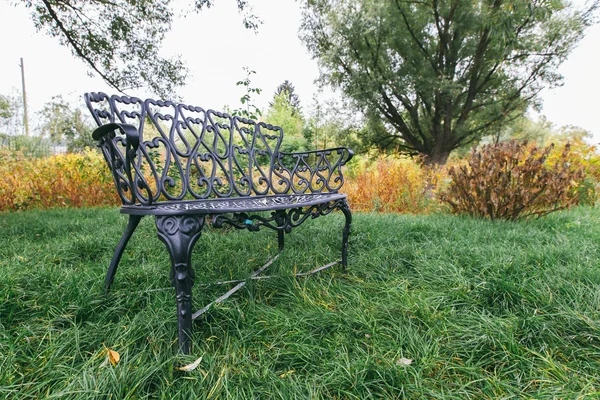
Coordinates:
[286,374]
[113,356]
[190,367]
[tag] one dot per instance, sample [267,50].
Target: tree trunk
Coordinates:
[435,159]
[438,155]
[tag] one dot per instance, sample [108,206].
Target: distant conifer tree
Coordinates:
[287,88]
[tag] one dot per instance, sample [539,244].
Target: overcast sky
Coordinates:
[215,46]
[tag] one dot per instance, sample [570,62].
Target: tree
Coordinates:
[440,73]
[11,115]
[287,88]
[249,108]
[330,124]
[523,129]
[64,123]
[282,113]
[541,132]
[5,107]
[12,129]
[120,40]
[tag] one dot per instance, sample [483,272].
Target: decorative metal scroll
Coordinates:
[187,152]
[312,171]
[212,206]
[280,220]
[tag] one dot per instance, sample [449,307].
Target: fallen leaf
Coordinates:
[291,371]
[404,361]
[113,356]
[190,367]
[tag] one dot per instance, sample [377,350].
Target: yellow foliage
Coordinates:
[69,180]
[393,184]
[581,155]
[401,185]
[388,184]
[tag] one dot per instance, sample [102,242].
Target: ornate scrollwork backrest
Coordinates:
[187,152]
[318,171]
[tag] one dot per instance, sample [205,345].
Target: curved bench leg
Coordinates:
[345,233]
[180,233]
[134,220]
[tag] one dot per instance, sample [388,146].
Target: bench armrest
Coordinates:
[131,133]
[314,171]
[105,135]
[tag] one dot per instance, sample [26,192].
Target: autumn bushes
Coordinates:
[392,184]
[71,180]
[510,180]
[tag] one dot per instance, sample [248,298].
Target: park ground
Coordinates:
[432,306]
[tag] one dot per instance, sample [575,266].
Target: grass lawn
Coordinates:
[483,310]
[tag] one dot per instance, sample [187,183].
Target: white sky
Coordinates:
[215,46]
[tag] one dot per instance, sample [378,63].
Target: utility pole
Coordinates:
[25,119]
[318,120]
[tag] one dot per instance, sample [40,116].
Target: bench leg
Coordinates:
[280,240]
[134,220]
[280,219]
[346,233]
[180,233]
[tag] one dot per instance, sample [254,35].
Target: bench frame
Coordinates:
[202,164]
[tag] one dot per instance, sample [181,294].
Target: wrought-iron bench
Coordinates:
[184,164]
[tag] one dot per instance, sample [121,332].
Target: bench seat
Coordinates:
[234,205]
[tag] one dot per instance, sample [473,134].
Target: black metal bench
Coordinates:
[184,164]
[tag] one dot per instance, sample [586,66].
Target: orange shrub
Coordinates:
[392,184]
[512,180]
[70,180]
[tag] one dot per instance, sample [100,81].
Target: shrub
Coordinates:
[390,184]
[68,180]
[585,156]
[512,180]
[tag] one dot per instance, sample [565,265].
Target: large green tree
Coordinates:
[120,40]
[440,73]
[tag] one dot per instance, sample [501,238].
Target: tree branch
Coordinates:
[76,47]
[414,37]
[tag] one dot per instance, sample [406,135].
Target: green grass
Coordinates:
[485,310]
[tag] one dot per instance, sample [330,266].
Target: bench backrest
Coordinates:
[189,152]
